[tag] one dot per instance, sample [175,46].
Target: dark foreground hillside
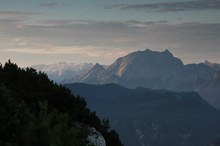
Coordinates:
[145,117]
[36,112]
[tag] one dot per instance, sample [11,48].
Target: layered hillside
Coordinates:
[145,117]
[210,90]
[154,70]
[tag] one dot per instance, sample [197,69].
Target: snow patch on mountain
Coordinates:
[62,71]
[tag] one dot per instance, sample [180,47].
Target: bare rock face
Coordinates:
[151,69]
[91,76]
[95,138]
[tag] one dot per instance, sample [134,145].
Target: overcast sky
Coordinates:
[50,31]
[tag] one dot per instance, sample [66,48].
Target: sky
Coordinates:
[49,31]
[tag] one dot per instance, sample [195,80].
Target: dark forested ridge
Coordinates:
[35,111]
[145,117]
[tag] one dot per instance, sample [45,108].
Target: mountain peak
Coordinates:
[143,68]
[167,52]
[215,66]
[97,66]
[148,50]
[206,62]
[92,74]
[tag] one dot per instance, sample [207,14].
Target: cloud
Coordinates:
[109,33]
[50,4]
[171,6]
[59,22]
[17,19]
[79,53]
[17,13]
[95,24]
[93,39]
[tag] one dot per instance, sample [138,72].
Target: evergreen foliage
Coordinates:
[36,111]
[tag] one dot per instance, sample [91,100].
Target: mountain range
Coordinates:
[62,71]
[145,117]
[149,69]
[159,70]
[150,97]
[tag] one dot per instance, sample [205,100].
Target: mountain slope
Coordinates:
[158,70]
[156,118]
[151,69]
[143,68]
[210,90]
[215,66]
[91,76]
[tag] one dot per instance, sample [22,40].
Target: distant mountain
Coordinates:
[198,71]
[150,69]
[158,70]
[210,90]
[145,117]
[62,71]
[215,66]
[143,68]
[196,75]
[90,76]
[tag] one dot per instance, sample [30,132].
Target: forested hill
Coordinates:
[35,111]
[146,117]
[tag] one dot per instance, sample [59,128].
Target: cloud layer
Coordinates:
[49,4]
[97,38]
[17,13]
[171,6]
[26,33]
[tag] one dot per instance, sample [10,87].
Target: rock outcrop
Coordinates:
[95,138]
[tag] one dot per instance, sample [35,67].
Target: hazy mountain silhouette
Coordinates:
[150,69]
[216,66]
[153,117]
[158,70]
[62,71]
[91,76]
[210,90]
